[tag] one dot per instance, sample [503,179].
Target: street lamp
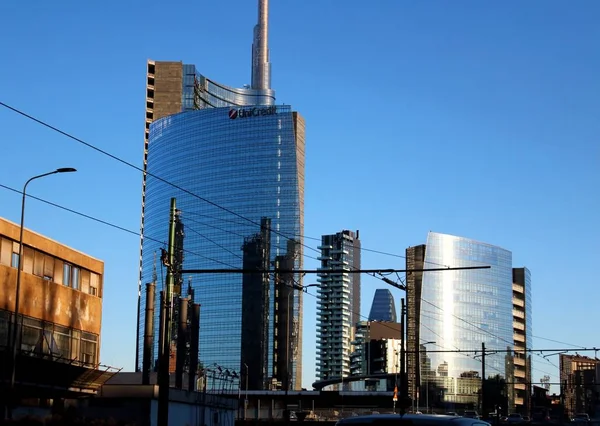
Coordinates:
[246,394]
[18,287]
[426,378]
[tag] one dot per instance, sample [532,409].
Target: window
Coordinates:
[38,263]
[88,348]
[28,255]
[71,276]
[66,274]
[48,268]
[31,336]
[94,284]
[61,340]
[5,251]
[85,281]
[75,278]
[75,344]
[15,255]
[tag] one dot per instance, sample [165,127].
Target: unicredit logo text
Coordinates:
[252,112]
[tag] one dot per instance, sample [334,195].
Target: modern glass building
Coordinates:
[461,310]
[383,307]
[234,161]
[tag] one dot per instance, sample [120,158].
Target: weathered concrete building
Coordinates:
[59,317]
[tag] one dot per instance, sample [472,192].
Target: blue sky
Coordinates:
[471,118]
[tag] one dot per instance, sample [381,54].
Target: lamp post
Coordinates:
[14,322]
[426,378]
[246,395]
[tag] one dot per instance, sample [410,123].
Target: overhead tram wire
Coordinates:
[136,233]
[106,223]
[112,225]
[481,329]
[120,160]
[437,318]
[133,166]
[485,331]
[189,228]
[228,231]
[318,239]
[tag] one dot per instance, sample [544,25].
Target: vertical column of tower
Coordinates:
[261,68]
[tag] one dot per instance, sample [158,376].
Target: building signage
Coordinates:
[251,112]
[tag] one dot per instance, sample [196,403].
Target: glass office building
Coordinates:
[460,310]
[238,166]
[236,161]
[383,307]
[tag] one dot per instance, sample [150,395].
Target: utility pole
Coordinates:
[482,378]
[403,381]
[165,346]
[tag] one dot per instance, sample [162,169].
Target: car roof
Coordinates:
[410,419]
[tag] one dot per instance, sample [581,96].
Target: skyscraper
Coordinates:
[383,307]
[234,161]
[462,309]
[338,308]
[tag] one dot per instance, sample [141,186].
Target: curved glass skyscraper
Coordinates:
[460,310]
[383,307]
[234,162]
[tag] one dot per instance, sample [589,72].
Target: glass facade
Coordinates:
[248,161]
[202,92]
[383,307]
[460,310]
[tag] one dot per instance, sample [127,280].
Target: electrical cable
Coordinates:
[131,165]
[112,225]
[196,254]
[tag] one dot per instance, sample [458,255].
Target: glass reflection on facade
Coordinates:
[253,166]
[383,307]
[462,309]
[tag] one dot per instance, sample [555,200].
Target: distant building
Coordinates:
[464,309]
[383,307]
[579,379]
[376,351]
[338,308]
[60,315]
[522,341]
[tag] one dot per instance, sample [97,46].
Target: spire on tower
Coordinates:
[261,67]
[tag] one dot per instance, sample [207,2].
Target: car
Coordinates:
[452,413]
[471,414]
[581,418]
[410,420]
[515,419]
[540,417]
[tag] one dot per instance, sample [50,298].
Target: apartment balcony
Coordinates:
[518,288]
[518,302]
[520,374]
[518,326]
[517,337]
[518,313]
[519,361]
[340,251]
